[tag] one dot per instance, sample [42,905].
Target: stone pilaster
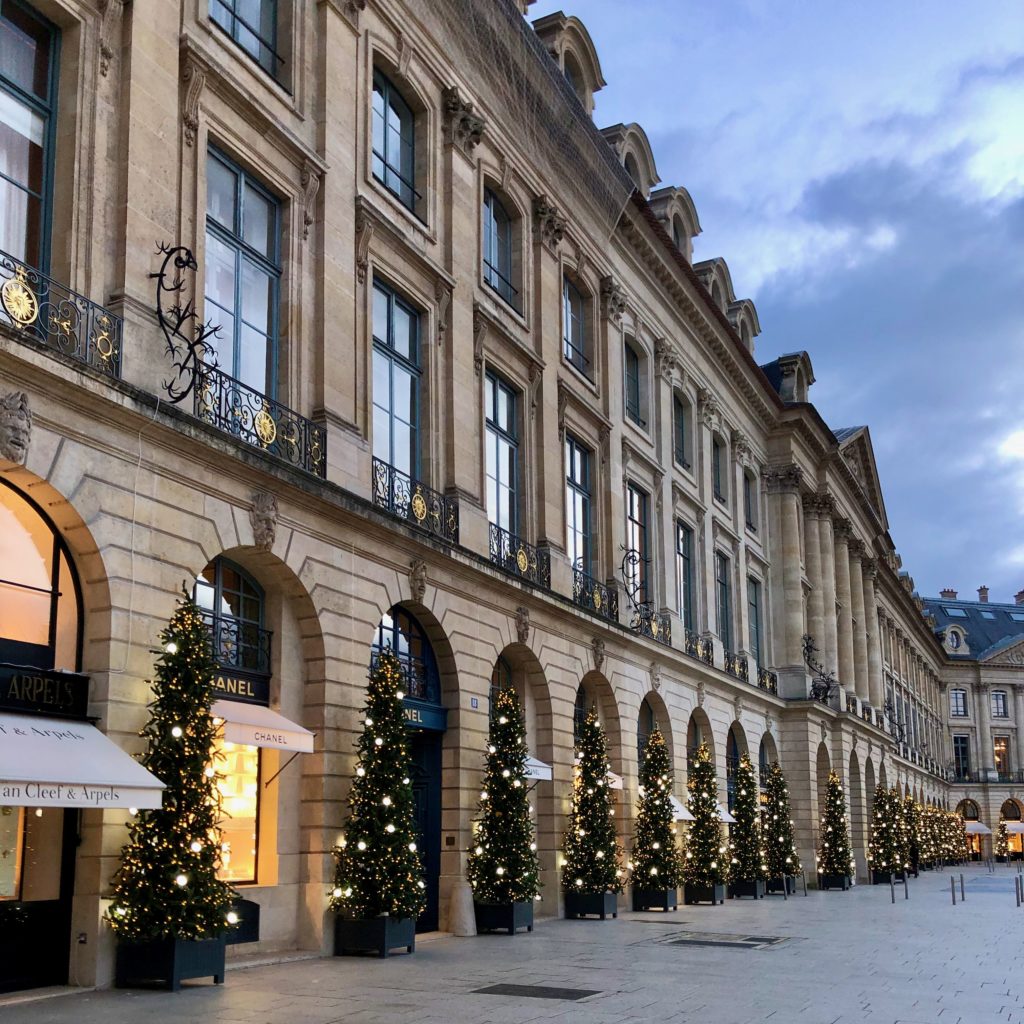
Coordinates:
[876,688]
[812,547]
[1018,716]
[986,758]
[842,532]
[829,642]
[788,606]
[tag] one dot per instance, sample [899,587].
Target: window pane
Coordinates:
[404,394]
[258,226]
[24,50]
[252,360]
[22,134]
[20,229]
[238,768]
[221,188]
[256,297]
[404,332]
[381,434]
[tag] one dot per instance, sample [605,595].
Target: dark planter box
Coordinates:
[493,917]
[168,962]
[774,885]
[584,904]
[882,877]
[754,888]
[374,935]
[655,899]
[834,881]
[694,893]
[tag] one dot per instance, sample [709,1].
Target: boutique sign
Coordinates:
[43,692]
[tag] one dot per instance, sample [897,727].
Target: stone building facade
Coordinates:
[470,398]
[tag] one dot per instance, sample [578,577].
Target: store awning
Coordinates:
[256,726]
[1014,828]
[538,770]
[725,815]
[976,828]
[615,781]
[50,762]
[679,811]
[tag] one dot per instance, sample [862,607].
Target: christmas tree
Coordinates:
[655,861]
[591,851]
[885,845]
[746,854]
[503,865]
[777,826]
[167,884]
[1002,843]
[378,867]
[912,814]
[834,856]
[706,853]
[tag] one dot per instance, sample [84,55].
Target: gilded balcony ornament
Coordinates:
[521,560]
[19,299]
[419,506]
[266,428]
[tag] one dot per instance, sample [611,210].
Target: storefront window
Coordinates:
[28,836]
[238,780]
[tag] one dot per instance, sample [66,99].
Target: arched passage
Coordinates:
[735,748]
[596,692]
[858,817]
[823,765]
[653,715]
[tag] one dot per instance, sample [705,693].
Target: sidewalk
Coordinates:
[829,958]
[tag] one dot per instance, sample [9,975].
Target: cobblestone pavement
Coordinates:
[841,958]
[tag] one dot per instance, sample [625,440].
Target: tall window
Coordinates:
[999,704]
[396,380]
[749,500]
[252,24]
[631,360]
[498,248]
[718,468]
[501,679]
[684,574]
[645,725]
[723,588]
[28,71]
[574,327]
[579,713]
[233,602]
[577,503]
[502,454]
[754,620]
[958,703]
[680,431]
[401,633]
[394,141]
[243,273]
[636,535]
[1001,753]
[962,756]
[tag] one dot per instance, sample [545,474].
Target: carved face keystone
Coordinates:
[15,427]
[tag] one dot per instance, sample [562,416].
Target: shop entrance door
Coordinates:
[426,786]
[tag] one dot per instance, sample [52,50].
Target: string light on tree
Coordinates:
[706,853]
[777,827]
[834,855]
[655,863]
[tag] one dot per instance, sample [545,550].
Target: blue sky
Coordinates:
[861,168]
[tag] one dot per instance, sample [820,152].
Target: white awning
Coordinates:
[256,726]
[614,781]
[1014,828]
[536,769]
[49,762]
[976,828]
[726,816]
[679,811]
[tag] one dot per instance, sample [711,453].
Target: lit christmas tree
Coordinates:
[747,864]
[655,864]
[1002,843]
[885,845]
[378,866]
[705,865]
[167,885]
[777,827]
[590,847]
[503,866]
[912,813]
[835,861]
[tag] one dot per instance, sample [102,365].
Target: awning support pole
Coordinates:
[281,769]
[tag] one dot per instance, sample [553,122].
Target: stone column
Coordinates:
[812,547]
[1018,717]
[860,636]
[829,644]
[985,754]
[787,589]
[843,531]
[876,688]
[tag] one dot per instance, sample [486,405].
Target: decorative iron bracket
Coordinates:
[823,684]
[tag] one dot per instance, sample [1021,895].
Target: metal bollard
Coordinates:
[906,888]
[1016,888]
[785,886]
[963,895]
[952,890]
[892,888]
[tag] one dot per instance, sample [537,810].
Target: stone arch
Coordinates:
[882,780]
[662,721]
[698,730]
[822,767]
[968,809]
[601,697]
[858,818]
[735,748]
[869,790]
[1011,810]
[767,752]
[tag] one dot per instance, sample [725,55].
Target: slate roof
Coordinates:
[989,627]
[843,433]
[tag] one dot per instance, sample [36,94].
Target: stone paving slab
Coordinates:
[847,958]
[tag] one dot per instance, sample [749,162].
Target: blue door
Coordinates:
[425,748]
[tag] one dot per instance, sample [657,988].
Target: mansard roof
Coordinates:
[630,142]
[990,628]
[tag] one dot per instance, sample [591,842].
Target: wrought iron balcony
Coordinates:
[595,596]
[52,314]
[414,502]
[767,681]
[516,556]
[736,665]
[698,647]
[851,704]
[867,713]
[647,622]
[239,646]
[252,417]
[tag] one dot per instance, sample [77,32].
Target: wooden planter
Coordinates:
[694,893]
[774,886]
[374,935]
[753,887]
[596,904]
[882,877]
[834,882]
[655,899]
[168,962]
[494,917]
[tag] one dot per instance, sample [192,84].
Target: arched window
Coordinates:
[732,760]
[501,679]
[576,341]
[400,633]
[394,141]
[762,761]
[968,810]
[499,270]
[579,713]
[40,604]
[1010,811]
[233,604]
[645,725]
[632,169]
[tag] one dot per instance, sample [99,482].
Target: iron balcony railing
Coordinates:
[867,713]
[698,647]
[516,556]
[851,704]
[50,313]
[239,646]
[736,665]
[768,681]
[595,596]
[647,622]
[414,502]
[415,678]
[262,422]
